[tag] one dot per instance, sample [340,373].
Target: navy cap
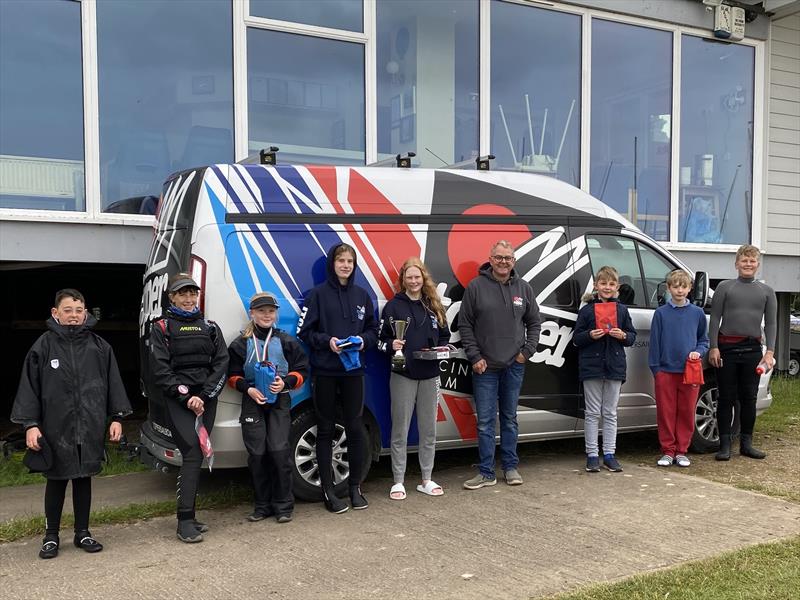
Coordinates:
[181,283]
[263,300]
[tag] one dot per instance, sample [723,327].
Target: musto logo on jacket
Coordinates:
[360,313]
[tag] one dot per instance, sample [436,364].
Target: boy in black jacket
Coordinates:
[69,392]
[266,425]
[602,365]
[334,311]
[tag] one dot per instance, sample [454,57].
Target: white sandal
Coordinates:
[430,489]
[398,488]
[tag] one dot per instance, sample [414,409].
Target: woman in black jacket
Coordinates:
[335,312]
[69,390]
[417,385]
[189,363]
[266,422]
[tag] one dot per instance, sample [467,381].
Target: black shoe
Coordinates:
[259,514]
[284,518]
[724,448]
[746,448]
[85,541]
[200,526]
[334,504]
[187,532]
[357,499]
[49,547]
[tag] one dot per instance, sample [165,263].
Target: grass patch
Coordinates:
[784,414]
[232,495]
[767,571]
[13,472]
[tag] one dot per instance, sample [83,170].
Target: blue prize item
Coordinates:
[265,373]
[350,353]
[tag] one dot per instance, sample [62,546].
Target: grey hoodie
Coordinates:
[497,320]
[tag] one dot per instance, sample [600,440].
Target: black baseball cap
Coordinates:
[181,283]
[260,300]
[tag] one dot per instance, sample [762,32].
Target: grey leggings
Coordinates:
[406,394]
[602,397]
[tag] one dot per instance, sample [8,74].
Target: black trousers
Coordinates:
[738,381]
[330,393]
[182,420]
[54,493]
[265,431]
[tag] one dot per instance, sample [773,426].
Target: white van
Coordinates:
[240,229]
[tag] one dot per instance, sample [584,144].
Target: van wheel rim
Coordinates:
[305,456]
[794,367]
[705,417]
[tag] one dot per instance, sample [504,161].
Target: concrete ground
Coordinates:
[563,528]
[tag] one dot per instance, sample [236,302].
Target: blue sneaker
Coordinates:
[611,463]
[593,464]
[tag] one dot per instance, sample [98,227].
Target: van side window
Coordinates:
[655,269]
[620,253]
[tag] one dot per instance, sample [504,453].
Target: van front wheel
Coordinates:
[303,441]
[706,429]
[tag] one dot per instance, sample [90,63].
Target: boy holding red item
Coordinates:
[678,332]
[602,331]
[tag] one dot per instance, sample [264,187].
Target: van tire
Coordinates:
[305,475]
[706,430]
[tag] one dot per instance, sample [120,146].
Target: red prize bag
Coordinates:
[605,315]
[693,372]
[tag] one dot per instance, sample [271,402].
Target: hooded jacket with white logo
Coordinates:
[340,311]
[70,388]
[497,320]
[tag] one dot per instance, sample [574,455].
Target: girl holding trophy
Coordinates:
[412,321]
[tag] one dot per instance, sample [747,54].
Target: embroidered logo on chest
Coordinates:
[54,363]
[360,311]
[518,301]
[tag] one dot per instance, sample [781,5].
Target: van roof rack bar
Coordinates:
[481,163]
[268,157]
[402,161]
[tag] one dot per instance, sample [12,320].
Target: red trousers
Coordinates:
[675,408]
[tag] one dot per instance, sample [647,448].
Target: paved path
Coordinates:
[562,529]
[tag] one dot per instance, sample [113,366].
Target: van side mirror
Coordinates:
[661,293]
[700,289]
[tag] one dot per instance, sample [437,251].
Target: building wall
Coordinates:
[783,165]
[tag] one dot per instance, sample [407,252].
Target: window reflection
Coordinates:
[427,72]
[716,184]
[536,90]
[631,122]
[338,14]
[41,106]
[310,103]
[165,95]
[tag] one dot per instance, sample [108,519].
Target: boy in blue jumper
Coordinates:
[679,332]
[602,366]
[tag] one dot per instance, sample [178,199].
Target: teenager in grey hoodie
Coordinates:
[499,325]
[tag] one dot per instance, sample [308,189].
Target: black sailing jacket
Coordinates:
[70,387]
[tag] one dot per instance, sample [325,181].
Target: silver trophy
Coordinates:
[399,328]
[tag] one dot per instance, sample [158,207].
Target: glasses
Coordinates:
[507,259]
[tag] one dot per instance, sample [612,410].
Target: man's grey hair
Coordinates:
[502,243]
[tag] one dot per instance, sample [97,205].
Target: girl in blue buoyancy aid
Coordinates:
[266,417]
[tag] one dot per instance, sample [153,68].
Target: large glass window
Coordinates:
[427,72]
[41,105]
[631,122]
[338,14]
[306,95]
[716,174]
[165,94]
[536,90]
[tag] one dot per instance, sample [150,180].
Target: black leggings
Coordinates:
[349,392]
[54,493]
[738,380]
[185,437]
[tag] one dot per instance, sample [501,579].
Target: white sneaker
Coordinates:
[682,460]
[665,461]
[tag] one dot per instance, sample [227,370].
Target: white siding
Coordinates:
[783,165]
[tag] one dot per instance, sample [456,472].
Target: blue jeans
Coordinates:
[490,389]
